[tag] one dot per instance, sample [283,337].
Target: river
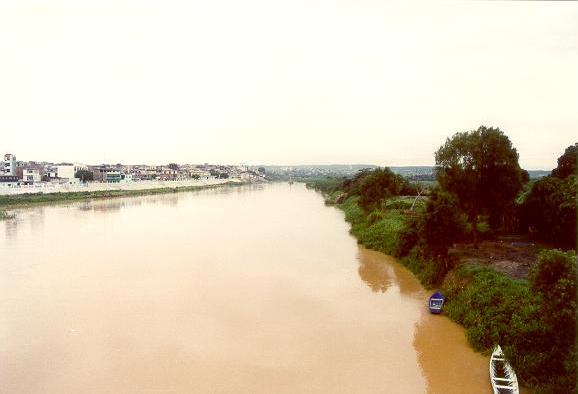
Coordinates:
[246,289]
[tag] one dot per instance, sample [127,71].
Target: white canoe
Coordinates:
[502,376]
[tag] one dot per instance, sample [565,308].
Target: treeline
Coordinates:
[548,209]
[482,191]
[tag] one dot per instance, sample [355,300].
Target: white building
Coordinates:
[9,165]
[68,171]
[51,172]
[199,174]
[31,175]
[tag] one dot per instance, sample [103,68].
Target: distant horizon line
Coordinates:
[532,168]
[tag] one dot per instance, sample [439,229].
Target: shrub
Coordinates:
[429,271]
[408,237]
[325,185]
[377,186]
[353,212]
[553,279]
[375,216]
[398,203]
[485,302]
[353,186]
[549,210]
[379,230]
[382,235]
[443,224]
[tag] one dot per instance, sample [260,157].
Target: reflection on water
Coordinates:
[11,228]
[252,289]
[117,204]
[374,271]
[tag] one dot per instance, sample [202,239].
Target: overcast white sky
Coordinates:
[283,82]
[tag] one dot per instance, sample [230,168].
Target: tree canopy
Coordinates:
[566,162]
[554,279]
[442,224]
[379,185]
[480,167]
[549,210]
[84,175]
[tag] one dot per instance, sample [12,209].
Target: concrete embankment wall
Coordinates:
[98,186]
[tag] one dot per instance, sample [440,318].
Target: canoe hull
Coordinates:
[502,375]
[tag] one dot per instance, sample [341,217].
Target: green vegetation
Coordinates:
[534,321]
[377,230]
[482,190]
[547,209]
[566,163]
[325,184]
[481,169]
[84,175]
[41,198]
[377,186]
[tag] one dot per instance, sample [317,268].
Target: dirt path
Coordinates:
[511,256]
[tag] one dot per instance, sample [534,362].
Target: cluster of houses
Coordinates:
[14,173]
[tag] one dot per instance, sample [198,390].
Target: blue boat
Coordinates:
[436,302]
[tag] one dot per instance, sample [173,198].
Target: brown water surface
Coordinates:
[256,289]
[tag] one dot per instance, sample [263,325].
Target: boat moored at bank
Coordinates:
[502,375]
[436,302]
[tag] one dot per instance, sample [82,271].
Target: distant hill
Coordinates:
[413,170]
[538,173]
[417,173]
[305,171]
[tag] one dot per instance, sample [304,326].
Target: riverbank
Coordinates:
[8,202]
[522,315]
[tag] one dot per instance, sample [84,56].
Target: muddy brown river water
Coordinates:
[253,289]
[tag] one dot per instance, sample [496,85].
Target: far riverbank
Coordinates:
[30,199]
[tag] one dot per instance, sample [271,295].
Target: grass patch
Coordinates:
[488,305]
[379,230]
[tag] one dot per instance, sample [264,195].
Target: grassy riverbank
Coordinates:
[532,319]
[20,200]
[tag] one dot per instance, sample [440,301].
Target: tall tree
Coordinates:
[549,210]
[480,167]
[566,162]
